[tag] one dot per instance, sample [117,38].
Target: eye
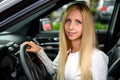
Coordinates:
[78,22]
[67,21]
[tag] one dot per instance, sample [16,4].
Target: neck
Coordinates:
[75,46]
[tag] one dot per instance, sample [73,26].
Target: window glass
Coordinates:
[101,10]
[103,13]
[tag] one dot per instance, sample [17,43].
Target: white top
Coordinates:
[71,68]
[99,65]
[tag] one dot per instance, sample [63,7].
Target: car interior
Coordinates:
[21,22]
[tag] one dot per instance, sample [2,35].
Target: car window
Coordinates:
[54,18]
[103,14]
[101,20]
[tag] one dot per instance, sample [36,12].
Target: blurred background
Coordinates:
[101,10]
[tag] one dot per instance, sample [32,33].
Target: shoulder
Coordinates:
[99,53]
[99,56]
[99,65]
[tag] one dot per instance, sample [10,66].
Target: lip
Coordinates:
[71,33]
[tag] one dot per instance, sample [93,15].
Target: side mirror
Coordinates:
[45,24]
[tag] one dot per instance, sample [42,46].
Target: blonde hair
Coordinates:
[88,42]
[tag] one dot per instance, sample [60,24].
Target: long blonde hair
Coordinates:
[88,42]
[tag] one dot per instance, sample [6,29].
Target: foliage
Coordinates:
[56,26]
[93,6]
[93,10]
[100,26]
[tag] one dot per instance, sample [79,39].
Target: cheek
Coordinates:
[65,28]
[80,30]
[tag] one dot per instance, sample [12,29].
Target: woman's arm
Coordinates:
[50,66]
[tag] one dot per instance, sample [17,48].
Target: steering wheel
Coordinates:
[31,70]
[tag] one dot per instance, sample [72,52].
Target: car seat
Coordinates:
[114,62]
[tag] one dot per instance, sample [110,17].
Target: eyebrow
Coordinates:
[75,19]
[78,19]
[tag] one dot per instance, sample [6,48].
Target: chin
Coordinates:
[72,38]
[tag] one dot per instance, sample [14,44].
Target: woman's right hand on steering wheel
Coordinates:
[32,47]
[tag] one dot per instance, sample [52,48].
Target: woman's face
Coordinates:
[73,25]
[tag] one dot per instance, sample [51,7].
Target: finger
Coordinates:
[29,50]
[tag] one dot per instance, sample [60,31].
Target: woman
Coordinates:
[78,57]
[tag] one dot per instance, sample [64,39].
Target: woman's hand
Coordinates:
[32,47]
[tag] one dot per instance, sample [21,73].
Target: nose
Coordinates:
[71,26]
